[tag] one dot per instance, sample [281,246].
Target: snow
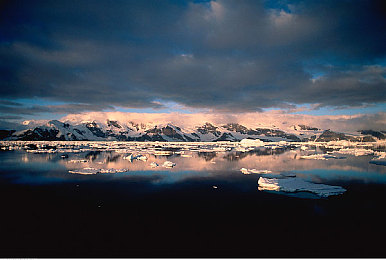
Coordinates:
[297,185]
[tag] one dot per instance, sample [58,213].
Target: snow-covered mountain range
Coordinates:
[127,130]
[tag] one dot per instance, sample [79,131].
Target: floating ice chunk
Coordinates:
[314,157]
[129,157]
[169,164]
[89,170]
[303,148]
[163,152]
[214,187]
[86,171]
[356,151]
[296,184]
[249,171]
[78,161]
[141,157]
[251,142]
[113,170]
[153,164]
[244,171]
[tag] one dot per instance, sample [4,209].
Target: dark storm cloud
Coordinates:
[224,55]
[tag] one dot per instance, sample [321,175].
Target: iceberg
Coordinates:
[296,185]
[251,142]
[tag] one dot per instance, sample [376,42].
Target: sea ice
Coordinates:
[296,184]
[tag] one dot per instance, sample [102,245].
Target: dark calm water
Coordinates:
[202,207]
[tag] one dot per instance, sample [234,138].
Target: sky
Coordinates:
[317,58]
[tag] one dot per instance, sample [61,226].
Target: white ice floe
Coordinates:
[251,142]
[112,170]
[296,185]
[163,152]
[129,157]
[249,171]
[314,157]
[89,170]
[141,157]
[356,151]
[153,164]
[169,164]
[78,161]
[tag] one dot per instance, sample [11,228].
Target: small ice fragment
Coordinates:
[153,164]
[169,164]
[141,157]
[214,187]
[303,148]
